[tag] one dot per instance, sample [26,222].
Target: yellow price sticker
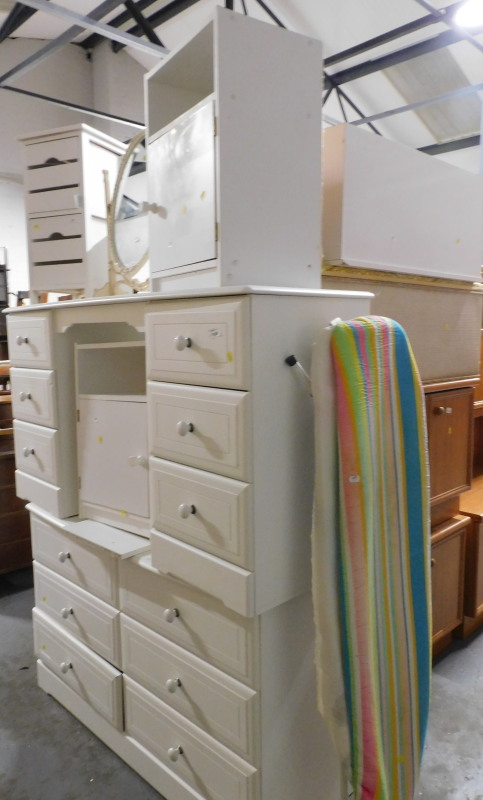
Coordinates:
[229,356]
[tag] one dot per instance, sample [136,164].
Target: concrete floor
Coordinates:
[46,754]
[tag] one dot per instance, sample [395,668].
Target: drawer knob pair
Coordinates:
[63,556]
[170,614]
[182,342]
[172,684]
[185,510]
[24,396]
[184,427]
[28,451]
[175,752]
[22,340]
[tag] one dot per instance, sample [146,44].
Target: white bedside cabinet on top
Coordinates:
[66,208]
[188,649]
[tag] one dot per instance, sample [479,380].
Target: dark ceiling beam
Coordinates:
[75,107]
[141,20]
[17,16]
[125,17]
[451,146]
[390,36]
[444,39]
[163,15]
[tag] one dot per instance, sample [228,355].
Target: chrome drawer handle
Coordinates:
[24,396]
[28,451]
[184,427]
[66,612]
[172,684]
[185,510]
[175,752]
[182,342]
[63,556]
[170,614]
[22,340]
[65,667]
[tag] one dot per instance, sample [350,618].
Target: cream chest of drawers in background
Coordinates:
[66,208]
[189,648]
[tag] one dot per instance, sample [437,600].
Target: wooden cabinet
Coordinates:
[193,649]
[447,575]
[450,430]
[15,551]
[66,207]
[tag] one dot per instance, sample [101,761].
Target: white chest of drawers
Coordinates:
[66,208]
[207,623]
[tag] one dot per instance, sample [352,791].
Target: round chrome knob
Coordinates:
[172,684]
[66,612]
[170,614]
[184,427]
[24,396]
[175,752]
[63,556]
[22,340]
[185,510]
[182,342]
[65,667]
[28,451]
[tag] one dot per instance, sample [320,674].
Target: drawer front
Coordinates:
[201,761]
[80,613]
[206,510]
[96,681]
[202,346]
[33,396]
[36,450]
[53,151]
[189,618]
[206,428]
[56,500]
[223,707]
[29,341]
[57,251]
[52,176]
[234,586]
[54,200]
[86,565]
[58,227]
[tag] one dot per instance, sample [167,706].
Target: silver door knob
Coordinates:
[172,684]
[170,614]
[24,396]
[63,556]
[184,427]
[28,451]
[66,612]
[65,667]
[185,510]
[22,340]
[175,752]
[182,342]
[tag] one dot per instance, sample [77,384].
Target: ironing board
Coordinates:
[373,618]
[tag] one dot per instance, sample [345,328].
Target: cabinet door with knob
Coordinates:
[447,574]
[450,427]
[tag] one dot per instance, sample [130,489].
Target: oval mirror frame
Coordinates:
[125,272]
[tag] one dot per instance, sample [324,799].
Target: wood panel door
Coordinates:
[450,432]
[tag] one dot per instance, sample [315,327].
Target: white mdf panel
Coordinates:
[52,152]
[206,510]
[190,618]
[202,345]
[37,450]
[389,207]
[85,672]
[80,613]
[232,585]
[113,457]
[203,762]
[225,708]
[54,499]
[267,199]
[30,342]
[201,427]
[80,562]
[34,396]
[161,777]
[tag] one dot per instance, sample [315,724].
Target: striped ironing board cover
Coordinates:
[383,539]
